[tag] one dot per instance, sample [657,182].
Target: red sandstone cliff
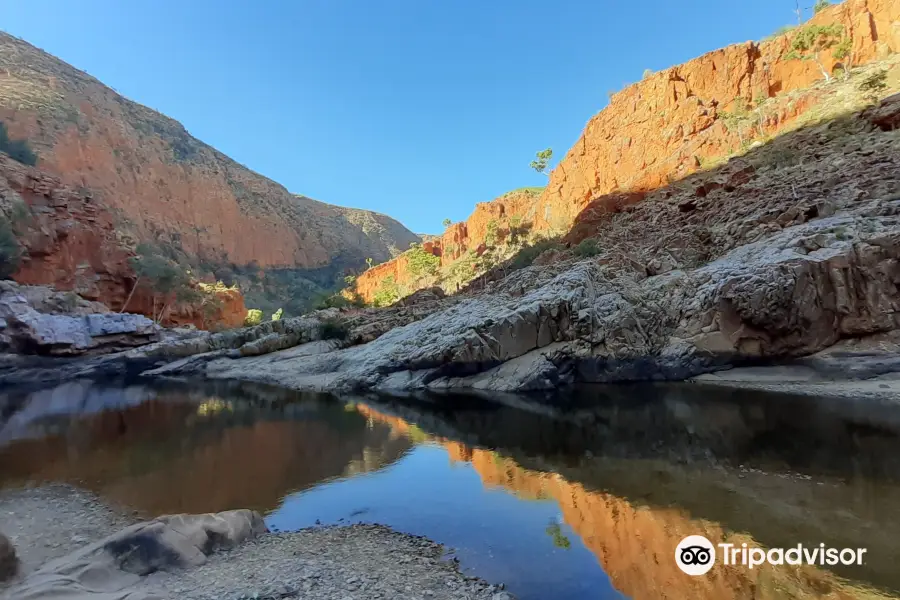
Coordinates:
[71,242]
[168,186]
[670,124]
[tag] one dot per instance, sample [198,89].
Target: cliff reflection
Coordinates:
[632,481]
[177,453]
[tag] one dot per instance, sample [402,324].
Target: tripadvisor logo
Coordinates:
[696,555]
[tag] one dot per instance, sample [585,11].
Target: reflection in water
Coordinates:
[537,495]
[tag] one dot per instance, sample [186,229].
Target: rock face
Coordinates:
[672,124]
[665,126]
[9,564]
[166,186]
[513,209]
[74,243]
[111,569]
[70,327]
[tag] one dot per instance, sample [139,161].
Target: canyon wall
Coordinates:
[169,188]
[72,242]
[671,124]
[666,126]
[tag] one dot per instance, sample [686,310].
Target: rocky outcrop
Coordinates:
[73,242]
[170,187]
[513,210]
[665,126]
[112,569]
[69,328]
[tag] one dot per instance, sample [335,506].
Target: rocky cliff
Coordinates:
[673,123]
[162,185]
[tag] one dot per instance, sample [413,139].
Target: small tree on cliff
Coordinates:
[542,161]
[421,262]
[809,41]
[446,223]
[10,251]
[820,5]
[167,280]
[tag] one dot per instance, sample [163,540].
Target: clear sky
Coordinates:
[414,108]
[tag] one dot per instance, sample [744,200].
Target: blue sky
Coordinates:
[414,108]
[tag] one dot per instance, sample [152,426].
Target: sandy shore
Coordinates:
[326,563]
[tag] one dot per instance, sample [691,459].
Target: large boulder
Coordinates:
[112,569]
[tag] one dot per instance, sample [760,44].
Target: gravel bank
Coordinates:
[357,562]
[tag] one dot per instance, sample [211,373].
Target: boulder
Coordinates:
[112,568]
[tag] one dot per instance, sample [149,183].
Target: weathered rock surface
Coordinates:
[112,568]
[70,328]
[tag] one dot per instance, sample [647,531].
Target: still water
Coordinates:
[577,496]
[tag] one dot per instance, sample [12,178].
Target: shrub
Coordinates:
[16,149]
[490,237]
[820,5]
[388,292]
[647,73]
[587,247]
[422,262]
[334,329]
[276,316]
[873,85]
[10,250]
[526,255]
[812,39]
[254,317]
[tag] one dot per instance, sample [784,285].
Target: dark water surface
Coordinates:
[583,495]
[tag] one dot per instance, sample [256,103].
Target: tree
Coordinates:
[421,262]
[369,262]
[254,317]
[168,281]
[10,250]
[809,41]
[493,229]
[873,85]
[820,5]
[542,160]
[446,223]
[647,73]
[17,149]
[388,292]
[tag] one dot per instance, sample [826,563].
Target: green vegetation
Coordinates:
[10,250]
[446,223]
[276,316]
[535,190]
[254,317]
[16,149]
[587,247]
[388,293]
[369,263]
[647,73]
[779,32]
[559,539]
[169,282]
[526,255]
[542,161]
[874,85]
[339,300]
[490,236]
[421,262]
[812,39]
[820,5]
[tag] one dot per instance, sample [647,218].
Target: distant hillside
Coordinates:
[173,190]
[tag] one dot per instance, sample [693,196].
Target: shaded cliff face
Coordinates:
[169,187]
[667,125]
[72,242]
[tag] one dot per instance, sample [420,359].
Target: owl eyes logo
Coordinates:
[695,555]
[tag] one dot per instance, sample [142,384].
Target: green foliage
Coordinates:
[276,316]
[647,73]
[17,149]
[369,262]
[335,329]
[493,228]
[779,32]
[421,262]
[388,292]
[10,250]
[587,247]
[526,255]
[446,223]
[166,278]
[820,5]
[812,39]
[559,539]
[254,317]
[874,84]
[542,161]
[350,279]
[339,301]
